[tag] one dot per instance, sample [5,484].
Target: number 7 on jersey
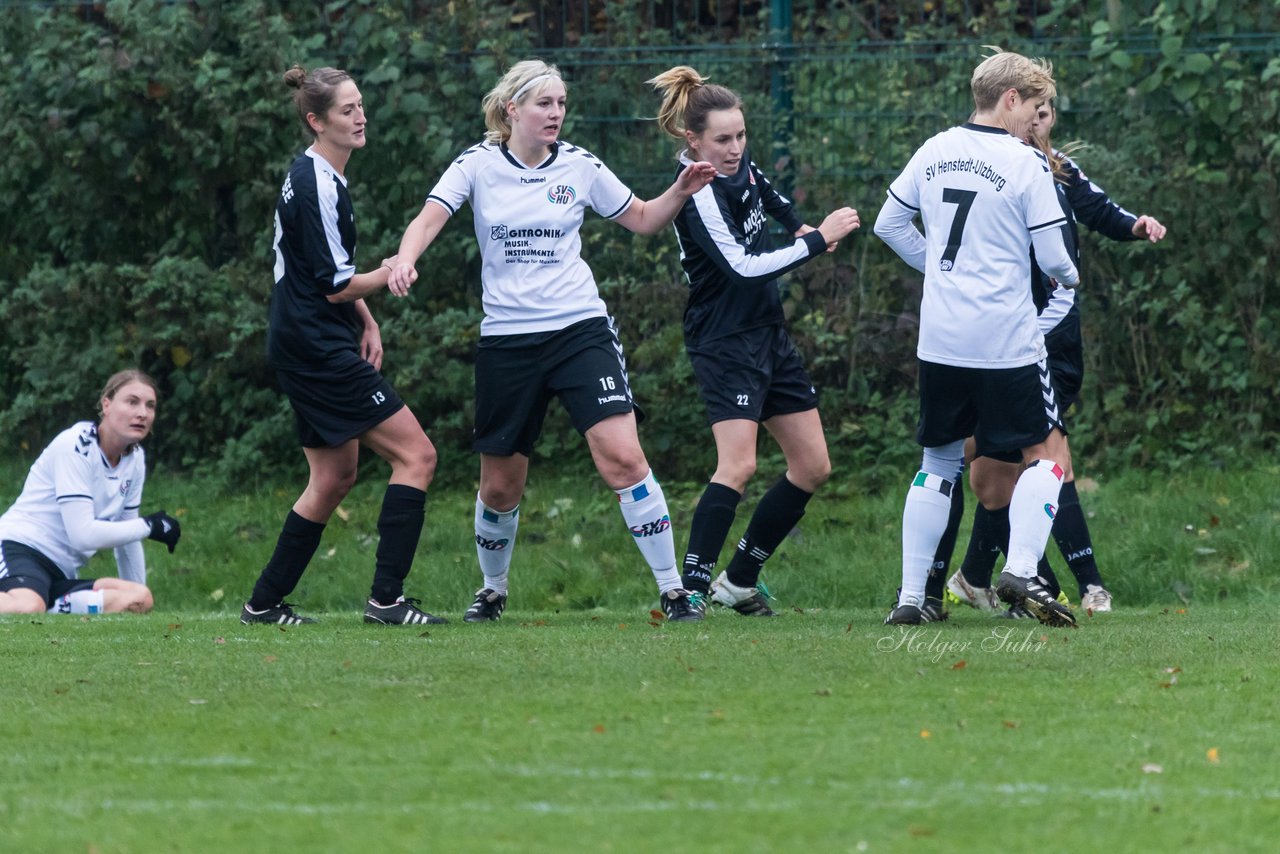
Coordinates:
[963,200]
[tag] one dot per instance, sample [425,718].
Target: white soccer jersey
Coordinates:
[73,468]
[981,195]
[527,222]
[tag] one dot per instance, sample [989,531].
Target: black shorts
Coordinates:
[1004,409]
[517,375]
[755,375]
[1066,360]
[22,567]
[338,400]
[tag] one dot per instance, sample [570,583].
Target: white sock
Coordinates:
[1031,512]
[495,540]
[78,602]
[924,519]
[644,509]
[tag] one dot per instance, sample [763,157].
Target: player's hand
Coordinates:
[1149,228]
[808,229]
[371,345]
[401,279]
[838,225]
[164,529]
[694,177]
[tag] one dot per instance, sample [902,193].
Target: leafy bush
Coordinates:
[147,141]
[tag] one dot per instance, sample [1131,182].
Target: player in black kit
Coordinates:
[747,368]
[326,351]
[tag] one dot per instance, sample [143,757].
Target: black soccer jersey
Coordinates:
[315,247]
[1083,202]
[728,256]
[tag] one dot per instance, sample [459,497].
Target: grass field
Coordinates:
[583,722]
[1151,729]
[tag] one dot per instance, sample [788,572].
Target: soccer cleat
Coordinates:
[982,598]
[489,605]
[933,611]
[905,615]
[1015,612]
[747,601]
[402,612]
[681,606]
[280,615]
[1096,600]
[1031,594]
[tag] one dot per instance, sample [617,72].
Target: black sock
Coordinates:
[1071,532]
[399,527]
[1048,577]
[298,541]
[711,523]
[937,580]
[989,538]
[776,514]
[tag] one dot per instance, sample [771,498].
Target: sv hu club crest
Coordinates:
[561,194]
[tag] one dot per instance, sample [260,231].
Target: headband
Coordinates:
[529,85]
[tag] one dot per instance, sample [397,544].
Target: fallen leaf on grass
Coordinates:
[1010,724]
[1152,768]
[823,692]
[848,628]
[220,641]
[217,595]
[197,702]
[960,665]
[916,830]
[924,733]
[269,659]
[1173,670]
[1212,755]
[656,614]
[343,514]
[598,729]
[174,626]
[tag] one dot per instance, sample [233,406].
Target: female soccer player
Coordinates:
[747,367]
[83,494]
[326,351]
[546,332]
[992,478]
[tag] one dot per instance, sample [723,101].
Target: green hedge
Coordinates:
[146,145]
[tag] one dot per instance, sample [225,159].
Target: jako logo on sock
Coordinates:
[1050,510]
[491,545]
[650,529]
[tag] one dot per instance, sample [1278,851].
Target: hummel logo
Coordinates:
[492,545]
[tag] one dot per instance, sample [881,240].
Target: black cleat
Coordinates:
[402,612]
[681,606]
[488,605]
[905,615]
[933,611]
[280,615]
[1015,612]
[1032,595]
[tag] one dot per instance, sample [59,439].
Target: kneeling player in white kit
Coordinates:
[83,494]
[985,199]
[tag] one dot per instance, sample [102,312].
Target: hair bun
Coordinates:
[295,77]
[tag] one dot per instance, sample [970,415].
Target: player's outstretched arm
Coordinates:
[420,234]
[1149,228]
[652,216]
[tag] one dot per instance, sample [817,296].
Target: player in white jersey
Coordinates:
[546,332]
[992,479]
[81,495]
[985,199]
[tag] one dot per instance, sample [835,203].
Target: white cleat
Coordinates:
[1096,600]
[982,598]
